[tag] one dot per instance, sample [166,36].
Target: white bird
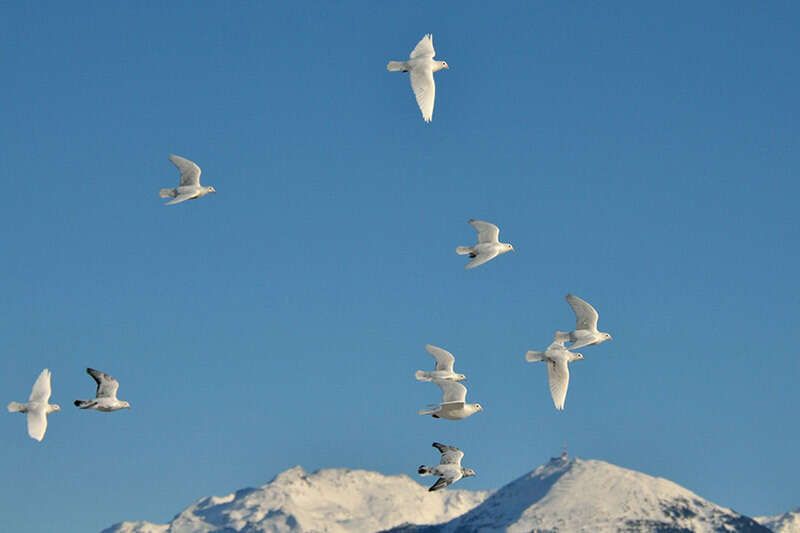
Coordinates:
[421,67]
[37,407]
[453,406]
[449,468]
[557,358]
[106,395]
[586,333]
[189,187]
[444,366]
[488,247]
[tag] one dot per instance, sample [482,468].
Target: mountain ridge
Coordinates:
[562,495]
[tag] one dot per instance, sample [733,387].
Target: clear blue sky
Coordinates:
[643,157]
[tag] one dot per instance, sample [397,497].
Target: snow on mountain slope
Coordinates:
[584,495]
[330,500]
[784,523]
[562,495]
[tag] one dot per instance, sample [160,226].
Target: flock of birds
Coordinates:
[421,66]
[39,406]
[454,404]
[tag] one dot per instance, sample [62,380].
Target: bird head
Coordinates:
[467,472]
[607,336]
[125,405]
[509,248]
[443,64]
[211,189]
[477,407]
[577,357]
[54,407]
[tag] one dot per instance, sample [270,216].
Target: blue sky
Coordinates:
[643,157]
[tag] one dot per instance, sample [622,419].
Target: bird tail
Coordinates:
[83,404]
[431,409]
[464,250]
[397,66]
[561,336]
[421,375]
[16,407]
[168,193]
[532,356]
[425,470]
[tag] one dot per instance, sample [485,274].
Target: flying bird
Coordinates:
[453,406]
[557,358]
[444,366]
[586,333]
[488,247]
[449,468]
[106,396]
[37,407]
[189,187]
[421,66]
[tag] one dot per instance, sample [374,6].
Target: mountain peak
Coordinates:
[589,495]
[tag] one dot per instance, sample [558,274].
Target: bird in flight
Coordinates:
[449,468]
[189,187]
[106,395]
[420,67]
[488,247]
[37,407]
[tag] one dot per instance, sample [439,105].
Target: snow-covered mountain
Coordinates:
[563,495]
[331,500]
[582,495]
[784,523]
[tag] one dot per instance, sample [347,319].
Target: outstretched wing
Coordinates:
[182,198]
[444,359]
[424,90]
[424,48]
[585,315]
[450,454]
[481,259]
[452,391]
[40,392]
[37,423]
[190,172]
[487,232]
[440,484]
[106,385]
[558,378]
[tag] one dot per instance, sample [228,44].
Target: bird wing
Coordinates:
[424,48]
[440,484]
[450,454]
[424,89]
[452,391]
[487,232]
[444,359]
[37,423]
[106,385]
[40,392]
[481,259]
[448,476]
[558,378]
[190,172]
[181,198]
[585,315]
